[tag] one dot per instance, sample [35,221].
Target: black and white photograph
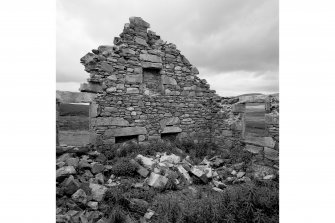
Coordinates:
[167,114]
[153,111]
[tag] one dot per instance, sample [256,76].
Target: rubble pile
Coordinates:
[83,178]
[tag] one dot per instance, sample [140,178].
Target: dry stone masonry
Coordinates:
[147,90]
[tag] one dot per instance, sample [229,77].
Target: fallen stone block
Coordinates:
[80,196]
[271,154]
[98,191]
[65,171]
[146,161]
[200,173]
[157,180]
[170,158]
[185,174]
[97,168]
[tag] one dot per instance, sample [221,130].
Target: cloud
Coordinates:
[220,37]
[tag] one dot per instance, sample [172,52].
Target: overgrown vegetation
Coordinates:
[244,203]
[256,201]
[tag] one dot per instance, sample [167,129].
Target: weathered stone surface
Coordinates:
[171,129]
[146,161]
[127,131]
[70,185]
[97,167]
[98,191]
[132,91]
[170,158]
[106,67]
[253,149]
[169,121]
[260,171]
[200,173]
[194,70]
[101,121]
[182,170]
[271,154]
[157,180]
[260,141]
[151,58]
[94,88]
[72,162]
[65,171]
[80,196]
[140,169]
[93,205]
[74,97]
[168,80]
[93,110]
[137,78]
[227,133]
[146,64]
[141,41]
[272,119]
[138,21]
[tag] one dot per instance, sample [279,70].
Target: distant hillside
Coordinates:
[74,110]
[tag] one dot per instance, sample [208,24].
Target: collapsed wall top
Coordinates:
[135,49]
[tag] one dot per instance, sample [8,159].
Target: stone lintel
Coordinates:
[126,131]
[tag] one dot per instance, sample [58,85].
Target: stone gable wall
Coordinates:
[145,87]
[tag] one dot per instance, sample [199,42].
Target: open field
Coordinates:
[254,119]
[74,137]
[73,110]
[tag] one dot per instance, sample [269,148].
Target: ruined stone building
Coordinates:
[145,89]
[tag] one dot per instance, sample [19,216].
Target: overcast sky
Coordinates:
[233,43]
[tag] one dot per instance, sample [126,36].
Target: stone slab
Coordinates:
[168,80]
[171,129]
[74,97]
[126,131]
[90,87]
[151,58]
[135,78]
[260,141]
[151,65]
[271,154]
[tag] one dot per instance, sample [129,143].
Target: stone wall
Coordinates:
[145,87]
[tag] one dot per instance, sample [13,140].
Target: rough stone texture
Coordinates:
[98,191]
[161,86]
[157,180]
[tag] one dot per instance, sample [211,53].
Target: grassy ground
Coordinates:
[74,137]
[254,119]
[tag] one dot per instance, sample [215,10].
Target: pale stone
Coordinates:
[269,177]
[120,86]
[112,77]
[138,70]
[151,65]
[227,133]
[98,191]
[110,109]
[240,174]
[157,180]
[141,41]
[219,184]
[132,91]
[199,172]
[168,80]
[80,196]
[111,89]
[72,162]
[65,171]
[126,131]
[253,149]
[151,58]
[106,67]
[135,78]
[138,21]
[260,141]
[170,158]
[182,170]
[101,121]
[128,51]
[169,121]
[93,205]
[271,154]
[194,70]
[141,138]
[171,129]
[93,112]
[97,167]
[272,119]
[146,161]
